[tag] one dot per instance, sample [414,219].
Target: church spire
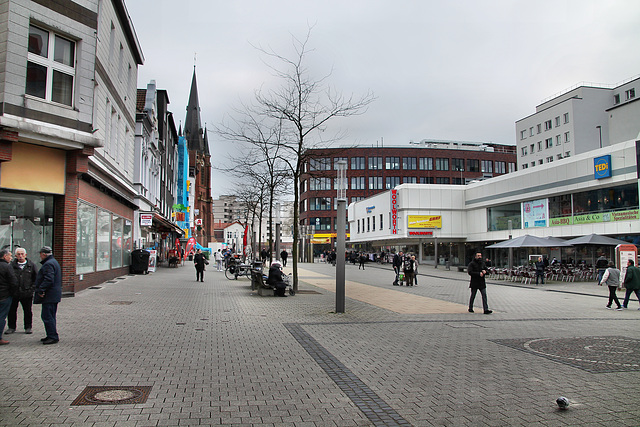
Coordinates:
[192,126]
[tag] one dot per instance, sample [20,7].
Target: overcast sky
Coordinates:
[451,70]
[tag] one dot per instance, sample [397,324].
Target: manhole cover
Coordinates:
[121,302]
[592,354]
[112,395]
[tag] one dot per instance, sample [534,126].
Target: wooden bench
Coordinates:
[257,282]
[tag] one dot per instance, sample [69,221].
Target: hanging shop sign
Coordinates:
[146,219]
[394,211]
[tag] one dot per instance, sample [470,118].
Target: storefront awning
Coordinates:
[161,224]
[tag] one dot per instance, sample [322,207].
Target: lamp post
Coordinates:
[600,131]
[278,224]
[340,234]
[510,224]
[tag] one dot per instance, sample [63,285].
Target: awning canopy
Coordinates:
[529,241]
[163,225]
[596,239]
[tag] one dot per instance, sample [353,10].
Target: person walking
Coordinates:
[601,265]
[199,261]
[631,283]
[415,271]
[409,270]
[362,258]
[478,270]
[25,271]
[48,292]
[284,255]
[217,256]
[8,288]
[611,277]
[397,264]
[540,270]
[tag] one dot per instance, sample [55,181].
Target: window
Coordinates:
[368,224]
[357,183]
[117,229]
[86,238]
[487,166]
[557,121]
[392,163]
[548,143]
[381,222]
[540,162]
[524,166]
[320,204]
[512,167]
[559,156]
[547,125]
[357,163]
[566,118]
[533,148]
[533,164]
[409,163]
[409,180]
[539,145]
[549,159]
[323,164]
[524,151]
[104,240]
[353,200]
[501,167]
[567,154]
[321,224]
[375,183]
[558,140]
[616,99]
[50,66]
[392,182]
[442,164]
[373,223]
[630,94]
[473,165]
[319,184]
[530,131]
[523,134]
[336,160]
[442,180]
[375,163]
[425,164]
[457,181]
[498,217]
[566,137]
[427,180]
[539,128]
[358,221]
[457,165]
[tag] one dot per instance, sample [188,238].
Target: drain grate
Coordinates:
[121,303]
[112,395]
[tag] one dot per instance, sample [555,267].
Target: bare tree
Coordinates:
[304,106]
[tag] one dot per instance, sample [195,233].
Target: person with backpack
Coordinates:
[409,270]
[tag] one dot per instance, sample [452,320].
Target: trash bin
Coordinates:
[139,262]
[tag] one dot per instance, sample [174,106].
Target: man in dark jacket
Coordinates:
[199,261]
[540,270]
[48,292]
[275,279]
[8,286]
[284,255]
[397,265]
[478,270]
[25,271]
[631,282]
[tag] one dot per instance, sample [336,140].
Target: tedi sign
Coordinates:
[602,167]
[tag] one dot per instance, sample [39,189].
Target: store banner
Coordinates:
[595,217]
[535,213]
[424,221]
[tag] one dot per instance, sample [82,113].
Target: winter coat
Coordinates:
[474,269]
[26,278]
[275,277]
[199,260]
[632,278]
[397,261]
[8,282]
[49,282]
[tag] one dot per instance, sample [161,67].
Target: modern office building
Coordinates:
[579,120]
[372,170]
[593,192]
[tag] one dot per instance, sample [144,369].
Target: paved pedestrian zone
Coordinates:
[165,350]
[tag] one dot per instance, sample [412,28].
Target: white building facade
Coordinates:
[594,192]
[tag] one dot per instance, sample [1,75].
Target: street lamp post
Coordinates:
[600,131]
[278,224]
[340,234]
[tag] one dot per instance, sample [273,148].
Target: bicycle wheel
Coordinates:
[230,273]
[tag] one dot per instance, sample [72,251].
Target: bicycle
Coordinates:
[236,269]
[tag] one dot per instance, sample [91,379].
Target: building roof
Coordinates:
[192,124]
[140,100]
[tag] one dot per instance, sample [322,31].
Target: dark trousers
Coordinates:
[12,318]
[541,276]
[284,261]
[5,305]
[483,292]
[48,316]
[199,275]
[627,295]
[612,296]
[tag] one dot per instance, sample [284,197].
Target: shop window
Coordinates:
[103,256]
[117,233]
[498,217]
[85,238]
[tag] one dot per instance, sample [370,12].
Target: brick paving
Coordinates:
[214,353]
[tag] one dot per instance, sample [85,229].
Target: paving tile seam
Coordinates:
[375,408]
[550,319]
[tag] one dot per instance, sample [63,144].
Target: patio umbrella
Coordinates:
[529,241]
[596,239]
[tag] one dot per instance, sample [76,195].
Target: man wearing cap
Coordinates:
[48,293]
